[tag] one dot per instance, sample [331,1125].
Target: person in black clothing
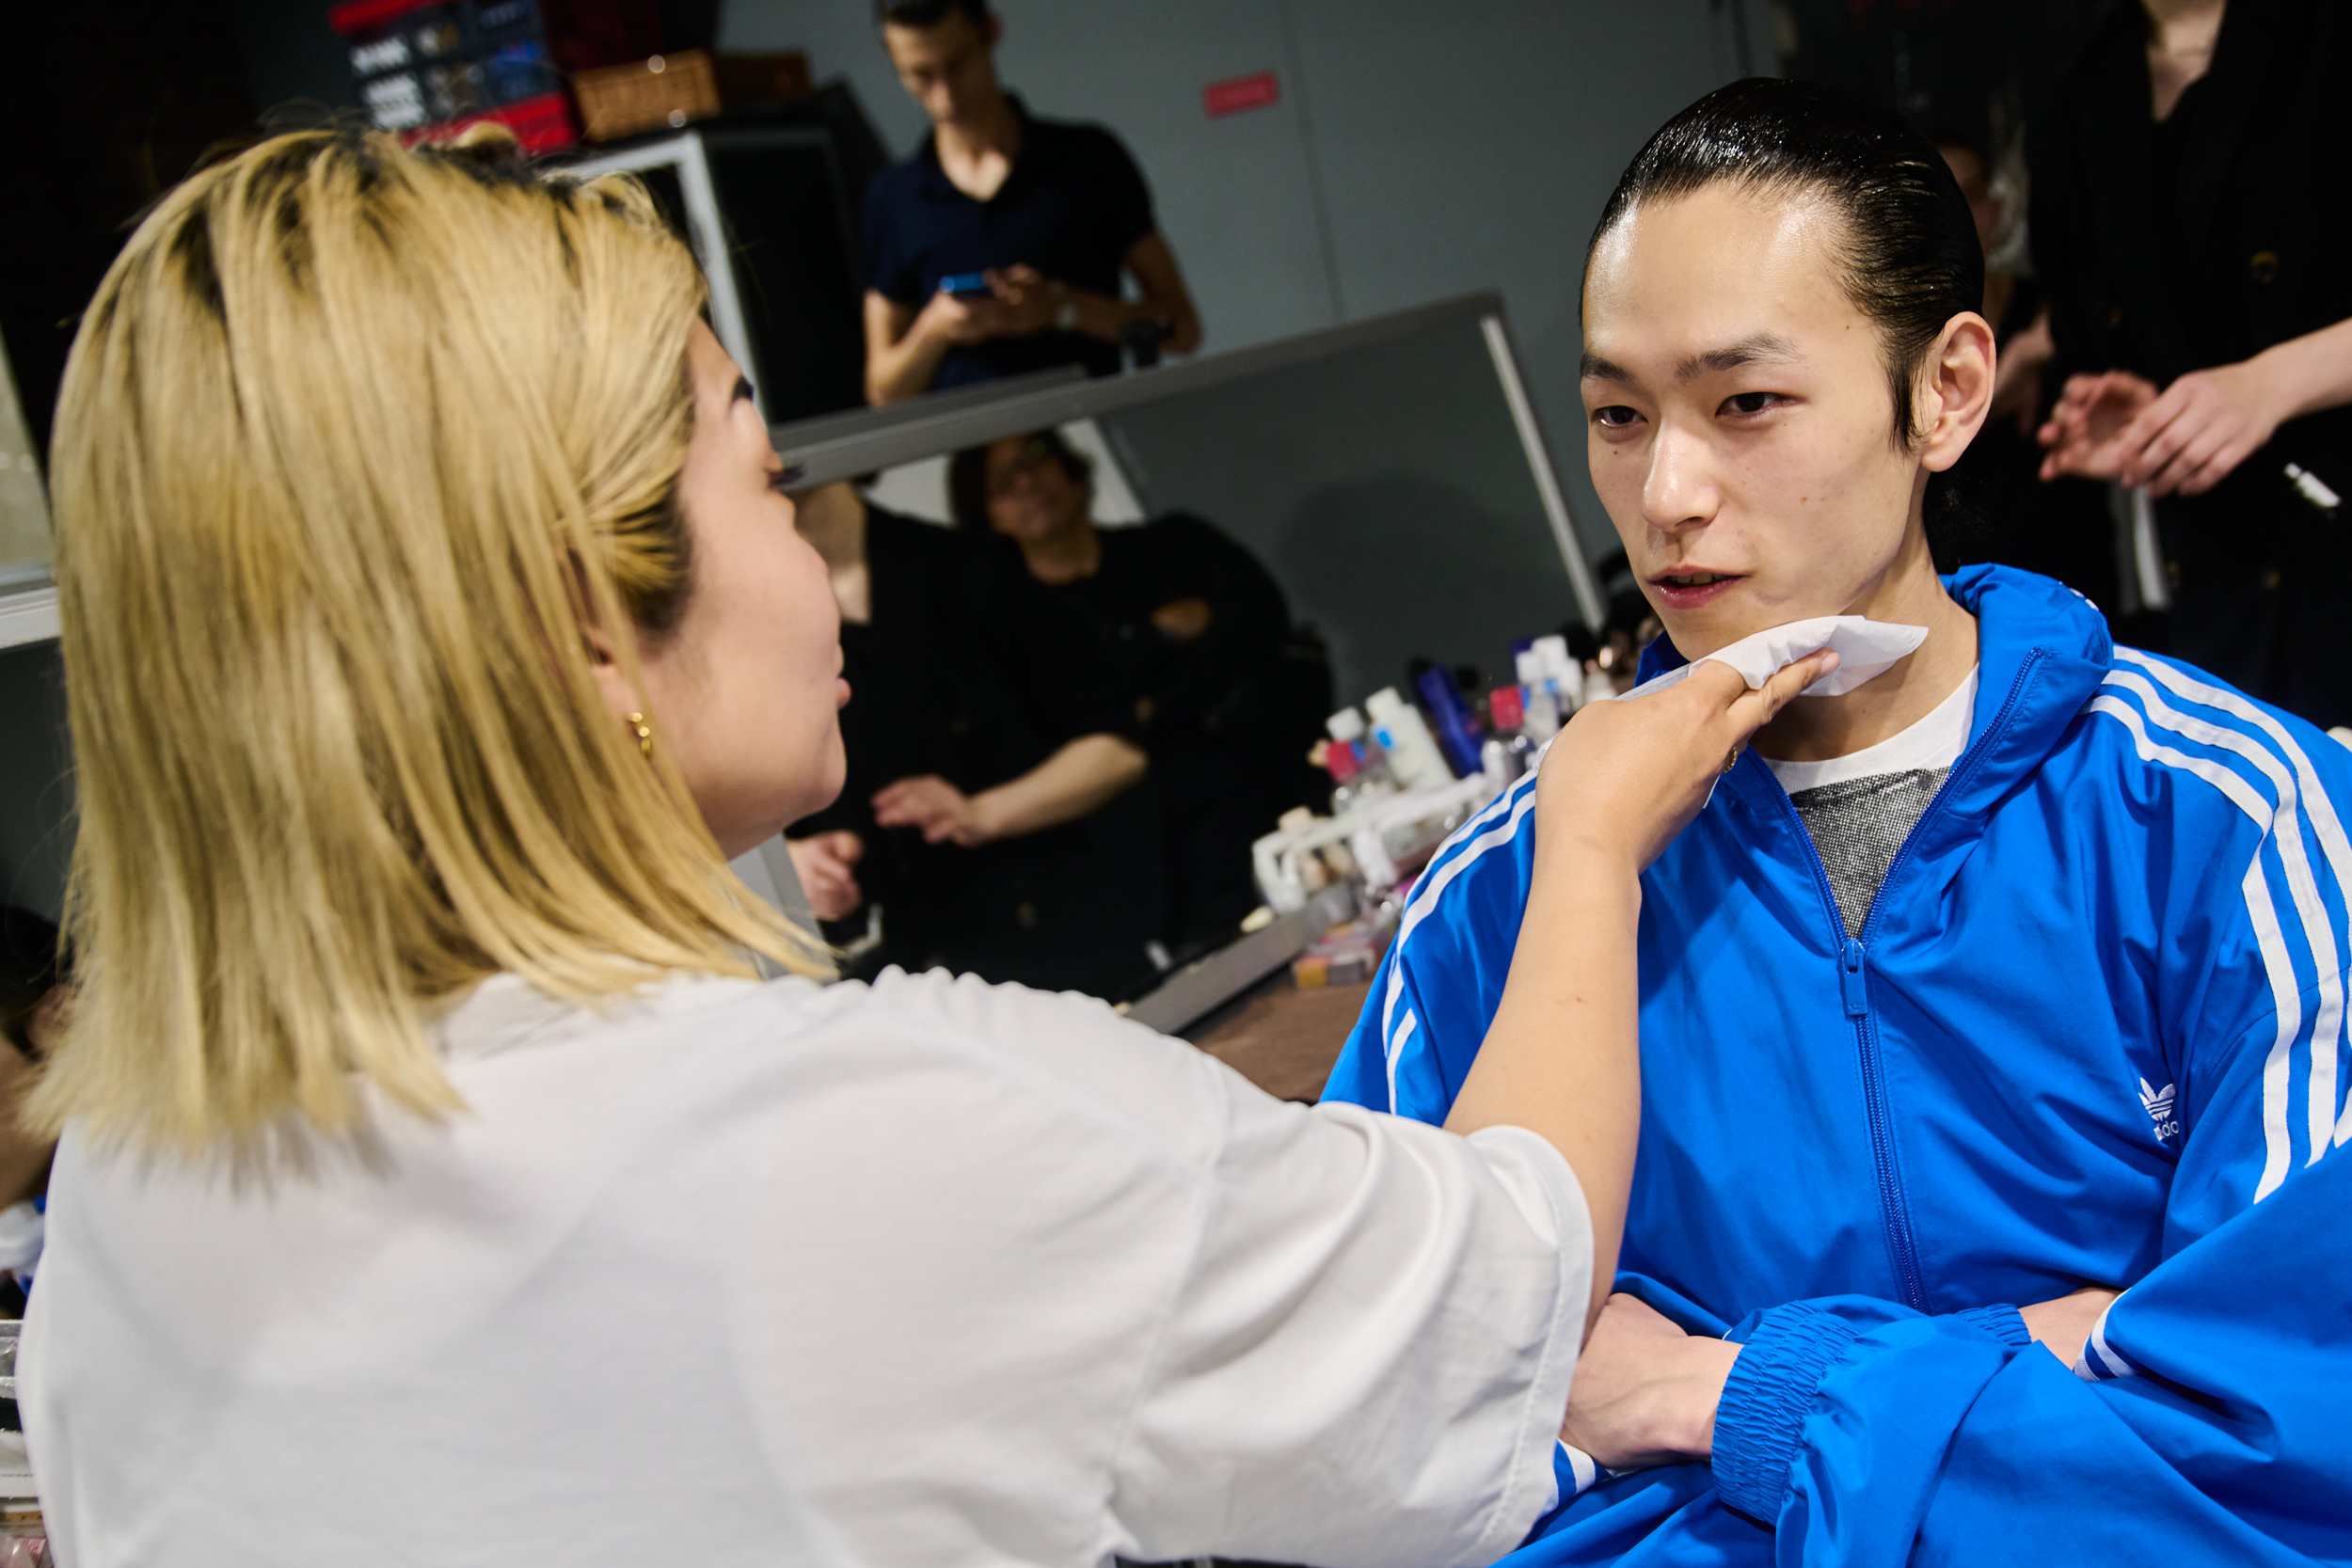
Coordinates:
[2193,229]
[2061,530]
[1199,634]
[990,809]
[1050,214]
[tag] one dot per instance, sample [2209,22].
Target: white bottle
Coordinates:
[1413,753]
[1540,702]
[1567,677]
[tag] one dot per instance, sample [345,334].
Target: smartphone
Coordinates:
[967,285]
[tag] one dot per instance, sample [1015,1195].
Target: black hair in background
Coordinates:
[967,477]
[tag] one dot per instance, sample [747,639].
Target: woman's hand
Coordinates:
[2204,425]
[2183,440]
[943,813]
[1625,777]
[827,864]
[2084,431]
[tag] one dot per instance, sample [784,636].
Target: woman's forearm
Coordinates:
[1563,1057]
[1067,786]
[2310,374]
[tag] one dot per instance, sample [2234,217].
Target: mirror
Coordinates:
[1198,563]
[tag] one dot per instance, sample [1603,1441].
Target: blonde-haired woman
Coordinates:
[437,1183]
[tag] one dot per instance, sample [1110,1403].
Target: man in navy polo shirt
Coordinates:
[1048,213]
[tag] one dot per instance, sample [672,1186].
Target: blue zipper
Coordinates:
[1854,988]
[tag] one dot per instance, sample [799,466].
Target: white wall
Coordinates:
[1420,150]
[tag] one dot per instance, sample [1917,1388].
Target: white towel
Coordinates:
[1864,648]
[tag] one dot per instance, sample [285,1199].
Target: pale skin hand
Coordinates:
[2193,435]
[827,864]
[1562,1057]
[1646,1393]
[1083,775]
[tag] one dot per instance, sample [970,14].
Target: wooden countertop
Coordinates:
[1286,1040]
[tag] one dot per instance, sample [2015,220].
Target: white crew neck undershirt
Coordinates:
[1933,742]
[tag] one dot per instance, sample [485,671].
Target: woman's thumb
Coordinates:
[1791,679]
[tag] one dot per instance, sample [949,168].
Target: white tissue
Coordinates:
[1865,648]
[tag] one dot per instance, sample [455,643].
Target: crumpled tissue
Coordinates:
[1865,648]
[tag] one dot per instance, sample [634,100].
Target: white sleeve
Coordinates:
[1369,1358]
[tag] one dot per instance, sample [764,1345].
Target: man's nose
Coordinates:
[1679,490]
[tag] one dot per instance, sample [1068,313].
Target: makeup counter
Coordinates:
[1392,476]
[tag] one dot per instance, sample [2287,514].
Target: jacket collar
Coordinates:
[2042,651]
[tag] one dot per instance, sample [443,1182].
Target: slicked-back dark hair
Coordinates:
[929,13]
[1907,258]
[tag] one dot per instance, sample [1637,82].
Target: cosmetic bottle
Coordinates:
[1374,772]
[1510,750]
[1412,751]
[1540,702]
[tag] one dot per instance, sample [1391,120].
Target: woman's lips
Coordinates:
[1693,590]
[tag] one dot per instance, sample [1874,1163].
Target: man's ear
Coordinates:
[1956,388]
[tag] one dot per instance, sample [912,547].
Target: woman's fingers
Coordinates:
[1785,684]
[1740,712]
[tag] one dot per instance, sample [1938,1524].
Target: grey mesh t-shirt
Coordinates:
[1859,808]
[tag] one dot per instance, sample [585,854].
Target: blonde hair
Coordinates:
[352,440]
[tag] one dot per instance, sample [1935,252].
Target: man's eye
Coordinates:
[1750,403]
[1616,416]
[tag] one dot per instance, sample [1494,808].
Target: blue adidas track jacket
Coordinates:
[2092,1033]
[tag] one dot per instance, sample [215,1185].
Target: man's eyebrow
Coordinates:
[1593,365]
[1756,349]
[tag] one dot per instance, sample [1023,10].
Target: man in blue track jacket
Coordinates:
[2080,1021]
[2092,1033]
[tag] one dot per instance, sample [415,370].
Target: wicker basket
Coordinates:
[675,89]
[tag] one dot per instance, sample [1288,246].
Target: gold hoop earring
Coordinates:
[645,733]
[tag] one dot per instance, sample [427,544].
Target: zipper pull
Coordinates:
[1851,979]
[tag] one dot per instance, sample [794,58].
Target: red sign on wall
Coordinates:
[1256,90]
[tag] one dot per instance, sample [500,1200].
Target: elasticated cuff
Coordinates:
[2004,1322]
[1764,1404]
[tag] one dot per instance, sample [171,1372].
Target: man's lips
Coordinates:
[1689,587]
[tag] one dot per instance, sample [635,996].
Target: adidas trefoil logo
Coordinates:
[2158,1103]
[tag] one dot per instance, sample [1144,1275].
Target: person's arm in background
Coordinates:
[1031,302]
[1079,777]
[1228,618]
[1120,208]
[904,345]
[2194,434]
[1165,297]
[826,863]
